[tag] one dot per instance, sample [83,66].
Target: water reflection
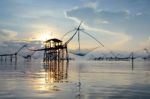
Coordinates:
[8,66]
[33,79]
[56,71]
[87,80]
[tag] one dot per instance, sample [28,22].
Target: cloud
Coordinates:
[12,46]
[93,19]
[145,44]
[6,34]
[86,13]
[118,38]
[91,5]
[122,20]
[102,22]
[117,22]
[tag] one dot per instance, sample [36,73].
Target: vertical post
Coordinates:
[1,58]
[132,59]
[44,57]
[15,58]
[58,64]
[62,54]
[67,55]
[79,39]
[67,66]
[5,58]
[11,58]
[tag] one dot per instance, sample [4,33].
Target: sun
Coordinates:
[44,36]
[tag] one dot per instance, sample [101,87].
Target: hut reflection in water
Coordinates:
[56,71]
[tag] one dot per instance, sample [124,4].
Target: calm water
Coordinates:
[80,80]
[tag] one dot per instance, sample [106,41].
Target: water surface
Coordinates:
[80,80]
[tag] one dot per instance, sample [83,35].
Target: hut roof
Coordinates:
[54,39]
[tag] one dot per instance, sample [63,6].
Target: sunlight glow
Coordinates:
[45,83]
[44,36]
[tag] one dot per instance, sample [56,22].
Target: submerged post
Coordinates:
[132,59]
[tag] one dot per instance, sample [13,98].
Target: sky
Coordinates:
[118,24]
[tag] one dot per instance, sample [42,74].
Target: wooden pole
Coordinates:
[15,58]
[5,58]
[11,58]
[132,59]
[67,55]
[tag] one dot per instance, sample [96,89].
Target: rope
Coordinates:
[93,38]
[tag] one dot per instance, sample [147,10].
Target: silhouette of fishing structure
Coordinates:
[54,50]
[115,57]
[77,31]
[11,56]
[119,57]
[148,54]
[28,56]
